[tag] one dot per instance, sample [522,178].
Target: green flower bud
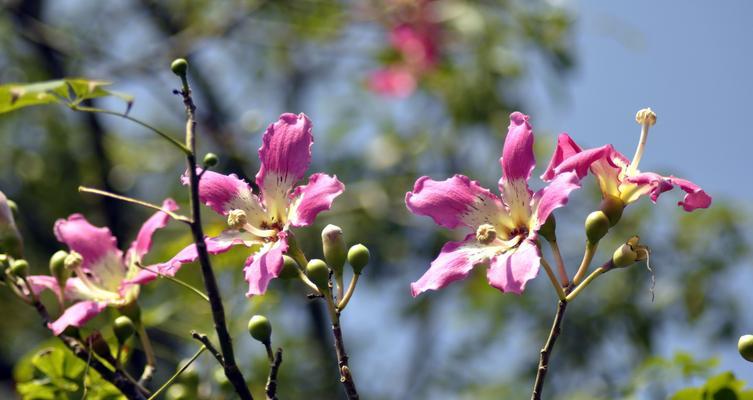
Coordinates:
[57,267]
[318,272]
[612,206]
[178,391]
[123,328]
[4,264]
[333,246]
[10,239]
[260,328]
[358,257]
[597,226]
[289,268]
[211,159]
[179,67]
[19,268]
[629,253]
[745,347]
[132,311]
[547,231]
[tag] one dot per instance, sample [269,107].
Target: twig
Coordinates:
[173,215]
[342,361]
[204,339]
[274,367]
[546,351]
[176,280]
[560,262]
[177,374]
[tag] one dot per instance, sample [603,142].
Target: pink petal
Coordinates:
[94,244]
[76,315]
[264,265]
[455,262]
[39,283]
[311,199]
[695,197]
[517,156]
[568,156]
[553,196]
[511,270]
[566,148]
[455,201]
[223,193]
[393,81]
[159,220]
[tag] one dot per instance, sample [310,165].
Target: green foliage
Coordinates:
[720,387]
[52,372]
[70,92]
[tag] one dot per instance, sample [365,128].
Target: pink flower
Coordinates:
[103,275]
[619,177]
[263,222]
[393,81]
[505,228]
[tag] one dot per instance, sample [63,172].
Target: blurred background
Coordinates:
[397,89]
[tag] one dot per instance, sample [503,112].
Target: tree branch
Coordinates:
[274,367]
[342,361]
[546,351]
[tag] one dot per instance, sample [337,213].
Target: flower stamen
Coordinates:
[646,118]
[485,234]
[237,219]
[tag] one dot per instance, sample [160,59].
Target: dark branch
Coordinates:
[206,342]
[342,361]
[274,367]
[546,351]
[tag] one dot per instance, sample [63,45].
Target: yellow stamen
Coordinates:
[237,219]
[486,234]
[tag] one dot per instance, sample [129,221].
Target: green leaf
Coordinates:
[70,92]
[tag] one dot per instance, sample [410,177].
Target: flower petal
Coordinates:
[455,262]
[695,197]
[159,220]
[39,283]
[552,196]
[264,265]
[517,156]
[285,156]
[86,239]
[311,199]
[223,193]
[566,148]
[456,201]
[656,184]
[76,315]
[511,270]
[568,156]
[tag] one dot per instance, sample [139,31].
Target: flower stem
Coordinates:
[177,374]
[105,193]
[146,376]
[589,279]
[553,279]
[560,263]
[588,255]
[274,367]
[546,351]
[178,281]
[349,293]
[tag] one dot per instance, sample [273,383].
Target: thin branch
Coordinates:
[176,280]
[588,255]
[560,263]
[274,367]
[546,351]
[553,279]
[105,193]
[348,293]
[342,361]
[177,374]
[204,339]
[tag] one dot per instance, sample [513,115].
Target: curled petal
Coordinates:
[265,265]
[566,148]
[223,193]
[159,220]
[311,199]
[511,270]
[455,201]
[76,315]
[517,156]
[97,246]
[39,283]
[656,185]
[553,196]
[568,157]
[455,262]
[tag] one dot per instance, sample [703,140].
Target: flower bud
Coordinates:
[289,268]
[629,253]
[333,246]
[4,264]
[123,328]
[73,260]
[358,257]
[597,226]
[132,311]
[19,268]
[57,267]
[745,347]
[318,272]
[179,67]
[547,231]
[210,160]
[10,239]
[260,328]
[612,207]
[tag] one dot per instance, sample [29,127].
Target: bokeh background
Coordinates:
[398,89]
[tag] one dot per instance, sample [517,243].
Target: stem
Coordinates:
[560,263]
[553,279]
[342,361]
[340,288]
[588,255]
[105,193]
[232,372]
[176,280]
[546,351]
[146,376]
[177,374]
[274,367]
[203,339]
[349,293]
[589,279]
[633,167]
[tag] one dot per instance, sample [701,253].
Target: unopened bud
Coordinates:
[318,272]
[358,257]
[73,260]
[629,253]
[19,268]
[289,268]
[612,207]
[333,246]
[486,234]
[260,328]
[597,226]
[548,229]
[10,239]
[745,347]
[123,328]
[179,67]
[237,219]
[645,117]
[4,264]
[210,160]
[57,267]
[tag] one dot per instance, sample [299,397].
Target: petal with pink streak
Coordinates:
[76,315]
[455,262]
[94,244]
[517,155]
[566,148]
[568,157]
[553,196]
[223,193]
[311,199]
[159,220]
[455,201]
[695,197]
[511,270]
[39,283]
[264,265]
